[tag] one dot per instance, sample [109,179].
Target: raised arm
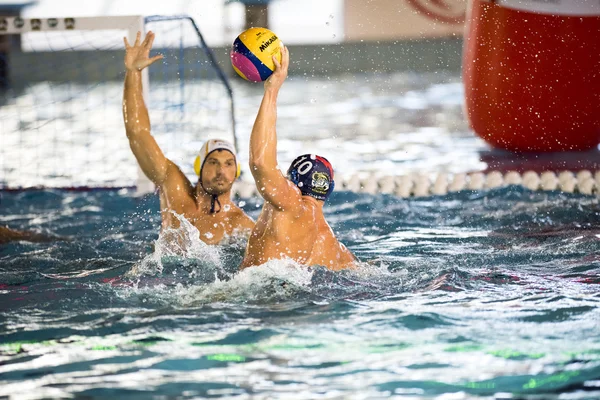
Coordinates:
[135,113]
[270,182]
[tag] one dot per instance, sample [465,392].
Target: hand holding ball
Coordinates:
[252,54]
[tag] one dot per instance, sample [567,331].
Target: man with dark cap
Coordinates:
[291,224]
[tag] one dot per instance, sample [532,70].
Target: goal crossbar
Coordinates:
[18,25]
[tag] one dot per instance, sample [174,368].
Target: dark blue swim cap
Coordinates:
[313,175]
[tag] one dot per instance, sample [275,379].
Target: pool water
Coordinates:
[487,294]
[473,294]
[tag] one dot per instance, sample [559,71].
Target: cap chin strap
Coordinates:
[214,199]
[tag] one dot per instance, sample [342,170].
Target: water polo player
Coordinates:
[207,205]
[291,224]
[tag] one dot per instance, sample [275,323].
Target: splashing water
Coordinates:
[176,244]
[277,280]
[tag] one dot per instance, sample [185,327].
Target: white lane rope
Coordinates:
[421,185]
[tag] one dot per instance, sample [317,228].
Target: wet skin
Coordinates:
[290,226]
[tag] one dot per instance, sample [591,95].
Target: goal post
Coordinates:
[61,122]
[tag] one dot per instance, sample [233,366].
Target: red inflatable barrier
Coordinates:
[531,71]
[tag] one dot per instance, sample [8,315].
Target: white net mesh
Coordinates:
[60,115]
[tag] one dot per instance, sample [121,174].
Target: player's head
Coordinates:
[313,175]
[216,166]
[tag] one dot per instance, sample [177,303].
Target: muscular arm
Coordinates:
[9,235]
[135,113]
[270,182]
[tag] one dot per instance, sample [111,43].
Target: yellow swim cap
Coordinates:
[212,145]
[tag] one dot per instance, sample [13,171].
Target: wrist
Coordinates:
[271,91]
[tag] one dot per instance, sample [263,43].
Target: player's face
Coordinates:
[218,172]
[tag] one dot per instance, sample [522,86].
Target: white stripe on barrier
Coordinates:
[420,185]
[554,7]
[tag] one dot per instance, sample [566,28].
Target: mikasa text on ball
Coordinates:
[252,54]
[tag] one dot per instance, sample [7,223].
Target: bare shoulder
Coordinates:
[239,219]
[176,183]
[307,209]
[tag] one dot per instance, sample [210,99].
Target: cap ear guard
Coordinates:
[197,165]
[293,176]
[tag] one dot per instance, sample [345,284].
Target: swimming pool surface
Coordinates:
[473,293]
[486,294]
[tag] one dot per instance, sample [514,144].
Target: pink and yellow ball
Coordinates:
[252,54]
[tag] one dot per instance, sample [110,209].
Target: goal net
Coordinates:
[61,89]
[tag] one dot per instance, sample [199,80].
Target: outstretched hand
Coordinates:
[281,70]
[137,56]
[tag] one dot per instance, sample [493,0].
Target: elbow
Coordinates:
[261,167]
[134,130]
[257,164]
[131,129]
[131,132]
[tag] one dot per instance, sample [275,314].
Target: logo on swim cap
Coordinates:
[320,182]
[313,175]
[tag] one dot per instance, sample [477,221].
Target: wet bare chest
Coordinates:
[211,227]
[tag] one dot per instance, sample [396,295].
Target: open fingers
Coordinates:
[147,39]
[137,38]
[150,39]
[156,58]
[126,42]
[285,57]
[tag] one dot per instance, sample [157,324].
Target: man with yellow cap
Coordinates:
[207,205]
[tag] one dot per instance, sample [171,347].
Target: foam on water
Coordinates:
[197,273]
[183,243]
[273,281]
